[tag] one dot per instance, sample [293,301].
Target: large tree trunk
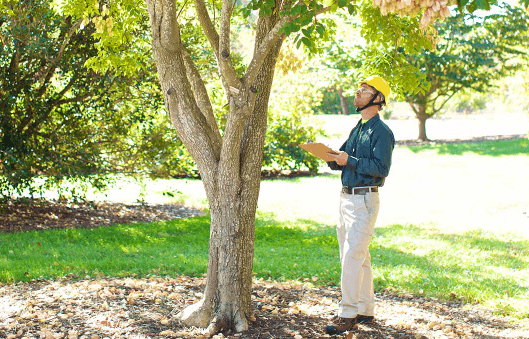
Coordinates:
[422,116]
[230,167]
[343,102]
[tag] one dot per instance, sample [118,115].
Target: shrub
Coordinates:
[285,132]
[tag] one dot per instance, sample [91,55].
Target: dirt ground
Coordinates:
[144,308]
[105,307]
[101,307]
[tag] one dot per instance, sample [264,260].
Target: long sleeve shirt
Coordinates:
[369,146]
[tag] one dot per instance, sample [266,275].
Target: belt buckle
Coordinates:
[361,190]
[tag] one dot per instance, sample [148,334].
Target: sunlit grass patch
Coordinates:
[472,266]
[176,247]
[487,148]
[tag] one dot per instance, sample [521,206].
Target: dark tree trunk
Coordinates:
[229,165]
[343,102]
[422,116]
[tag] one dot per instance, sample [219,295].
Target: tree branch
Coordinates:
[54,61]
[201,95]
[184,112]
[207,25]
[261,52]
[224,50]
[442,105]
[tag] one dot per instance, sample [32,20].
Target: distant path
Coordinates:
[445,129]
[463,127]
[415,142]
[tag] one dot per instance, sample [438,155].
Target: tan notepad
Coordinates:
[320,150]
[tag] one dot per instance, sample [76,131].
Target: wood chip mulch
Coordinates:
[102,307]
[44,214]
[105,307]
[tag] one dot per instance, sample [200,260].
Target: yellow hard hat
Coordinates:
[379,84]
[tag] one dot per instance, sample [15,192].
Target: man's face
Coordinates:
[363,95]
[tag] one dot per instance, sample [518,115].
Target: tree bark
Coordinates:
[422,116]
[230,167]
[343,102]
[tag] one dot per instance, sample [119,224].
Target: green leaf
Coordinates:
[298,43]
[306,41]
[482,4]
[342,3]
[461,5]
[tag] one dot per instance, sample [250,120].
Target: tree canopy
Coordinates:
[230,162]
[471,53]
[61,120]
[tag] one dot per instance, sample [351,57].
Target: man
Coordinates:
[364,160]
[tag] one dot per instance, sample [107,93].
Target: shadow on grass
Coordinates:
[488,148]
[472,266]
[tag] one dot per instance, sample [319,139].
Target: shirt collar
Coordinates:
[371,121]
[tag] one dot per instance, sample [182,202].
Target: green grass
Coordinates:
[162,247]
[433,251]
[473,266]
[487,148]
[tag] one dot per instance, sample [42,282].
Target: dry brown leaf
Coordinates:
[167,333]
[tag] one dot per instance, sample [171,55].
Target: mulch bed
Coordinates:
[43,214]
[102,307]
[144,308]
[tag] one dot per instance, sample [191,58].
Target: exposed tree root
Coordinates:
[226,319]
[198,315]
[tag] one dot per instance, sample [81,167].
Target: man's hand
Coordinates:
[340,158]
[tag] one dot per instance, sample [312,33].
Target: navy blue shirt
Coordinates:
[370,147]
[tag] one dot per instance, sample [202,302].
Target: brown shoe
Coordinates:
[341,325]
[365,319]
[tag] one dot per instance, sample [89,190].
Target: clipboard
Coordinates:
[318,149]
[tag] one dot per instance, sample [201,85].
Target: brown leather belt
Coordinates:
[359,190]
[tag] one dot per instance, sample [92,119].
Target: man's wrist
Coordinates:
[352,162]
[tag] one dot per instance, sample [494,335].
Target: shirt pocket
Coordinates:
[364,147]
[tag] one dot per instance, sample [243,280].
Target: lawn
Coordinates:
[453,225]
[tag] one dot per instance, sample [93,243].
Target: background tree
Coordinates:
[52,98]
[472,52]
[230,163]
[338,63]
[60,119]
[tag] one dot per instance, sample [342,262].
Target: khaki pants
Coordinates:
[358,214]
